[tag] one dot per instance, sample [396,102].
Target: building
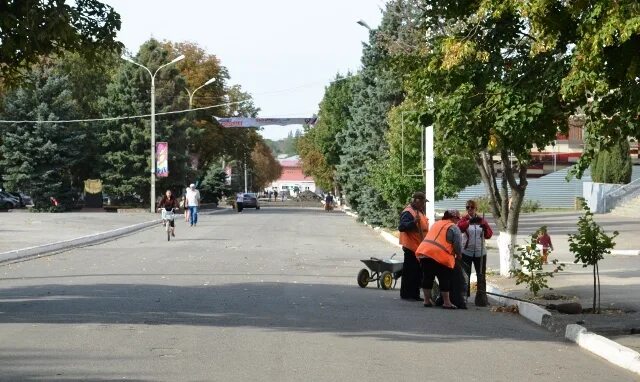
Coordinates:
[292,176]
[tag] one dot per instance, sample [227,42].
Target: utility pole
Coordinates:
[429,172]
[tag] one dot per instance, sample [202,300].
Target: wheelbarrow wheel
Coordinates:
[386,280]
[363,278]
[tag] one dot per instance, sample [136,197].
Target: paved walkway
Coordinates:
[22,229]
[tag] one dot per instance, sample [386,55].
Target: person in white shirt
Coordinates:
[193,202]
[239,201]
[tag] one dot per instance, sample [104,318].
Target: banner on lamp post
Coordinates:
[162,159]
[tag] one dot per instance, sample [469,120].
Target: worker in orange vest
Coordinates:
[413,227]
[438,253]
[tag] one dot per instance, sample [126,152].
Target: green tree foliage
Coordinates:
[531,270]
[612,165]
[205,135]
[126,142]
[375,91]
[31,29]
[589,246]
[214,185]
[320,147]
[487,88]
[38,158]
[602,84]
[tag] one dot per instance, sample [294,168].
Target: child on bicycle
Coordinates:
[169,202]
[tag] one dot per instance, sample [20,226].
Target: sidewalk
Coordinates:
[22,229]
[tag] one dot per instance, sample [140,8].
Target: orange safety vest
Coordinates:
[436,246]
[412,240]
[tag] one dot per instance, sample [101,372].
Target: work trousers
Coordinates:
[411,276]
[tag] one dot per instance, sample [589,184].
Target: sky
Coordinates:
[283,52]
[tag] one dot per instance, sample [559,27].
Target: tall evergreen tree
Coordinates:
[38,158]
[126,143]
[376,91]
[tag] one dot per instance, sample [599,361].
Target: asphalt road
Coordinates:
[265,295]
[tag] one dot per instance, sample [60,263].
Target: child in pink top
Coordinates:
[544,240]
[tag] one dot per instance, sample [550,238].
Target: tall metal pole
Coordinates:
[429,172]
[152,202]
[245,173]
[153,144]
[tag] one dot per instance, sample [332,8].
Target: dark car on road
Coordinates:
[8,202]
[250,200]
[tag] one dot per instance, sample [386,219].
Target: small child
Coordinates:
[544,241]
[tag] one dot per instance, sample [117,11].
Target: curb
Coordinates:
[22,253]
[625,252]
[612,351]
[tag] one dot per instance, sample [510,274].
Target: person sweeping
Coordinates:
[475,230]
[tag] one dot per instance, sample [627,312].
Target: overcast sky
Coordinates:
[283,52]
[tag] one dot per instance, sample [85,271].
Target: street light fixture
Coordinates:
[364,24]
[153,123]
[191,93]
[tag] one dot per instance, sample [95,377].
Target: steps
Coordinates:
[629,208]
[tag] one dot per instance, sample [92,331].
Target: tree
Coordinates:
[589,246]
[205,135]
[602,84]
[490,90]
[31,29]
[126,142]
[320,147]
[375,91]
[265,168]
[612,165]
[38,158]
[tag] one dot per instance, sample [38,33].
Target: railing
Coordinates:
[621,194]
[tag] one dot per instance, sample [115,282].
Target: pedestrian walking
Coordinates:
[240,201]
[184,205]
[328,202]
[193,202]
[413,227]
[438,253]
[475,230]
[544,244]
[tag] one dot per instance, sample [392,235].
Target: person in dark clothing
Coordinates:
[169,202]
[413,227]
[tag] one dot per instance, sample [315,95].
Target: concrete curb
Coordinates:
[625,252]
[73,243]
[530,311]
[612,351]
[22,253]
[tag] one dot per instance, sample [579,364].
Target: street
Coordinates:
[267,295]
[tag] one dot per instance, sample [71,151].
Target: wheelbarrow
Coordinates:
[385,272]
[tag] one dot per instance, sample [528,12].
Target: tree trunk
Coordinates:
[506,210]
[594,289]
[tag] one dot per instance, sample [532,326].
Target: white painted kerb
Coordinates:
[611,351]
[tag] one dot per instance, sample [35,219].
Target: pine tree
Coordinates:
[38,158]
[126,143]
[376,91]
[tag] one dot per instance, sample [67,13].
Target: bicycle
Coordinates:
[168,217]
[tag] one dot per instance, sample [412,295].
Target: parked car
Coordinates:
[8,202]
[23,200]
[250,200]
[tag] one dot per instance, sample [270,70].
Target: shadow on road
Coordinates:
[344,310]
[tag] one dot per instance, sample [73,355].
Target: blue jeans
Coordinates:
[193,214]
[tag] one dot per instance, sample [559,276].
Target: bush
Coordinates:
[531,272]
[612,165]
[530,206]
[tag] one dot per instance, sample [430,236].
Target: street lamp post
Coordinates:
[153,123]
[191,93]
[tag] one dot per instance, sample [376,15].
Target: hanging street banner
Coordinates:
[162,159]
[242,122]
